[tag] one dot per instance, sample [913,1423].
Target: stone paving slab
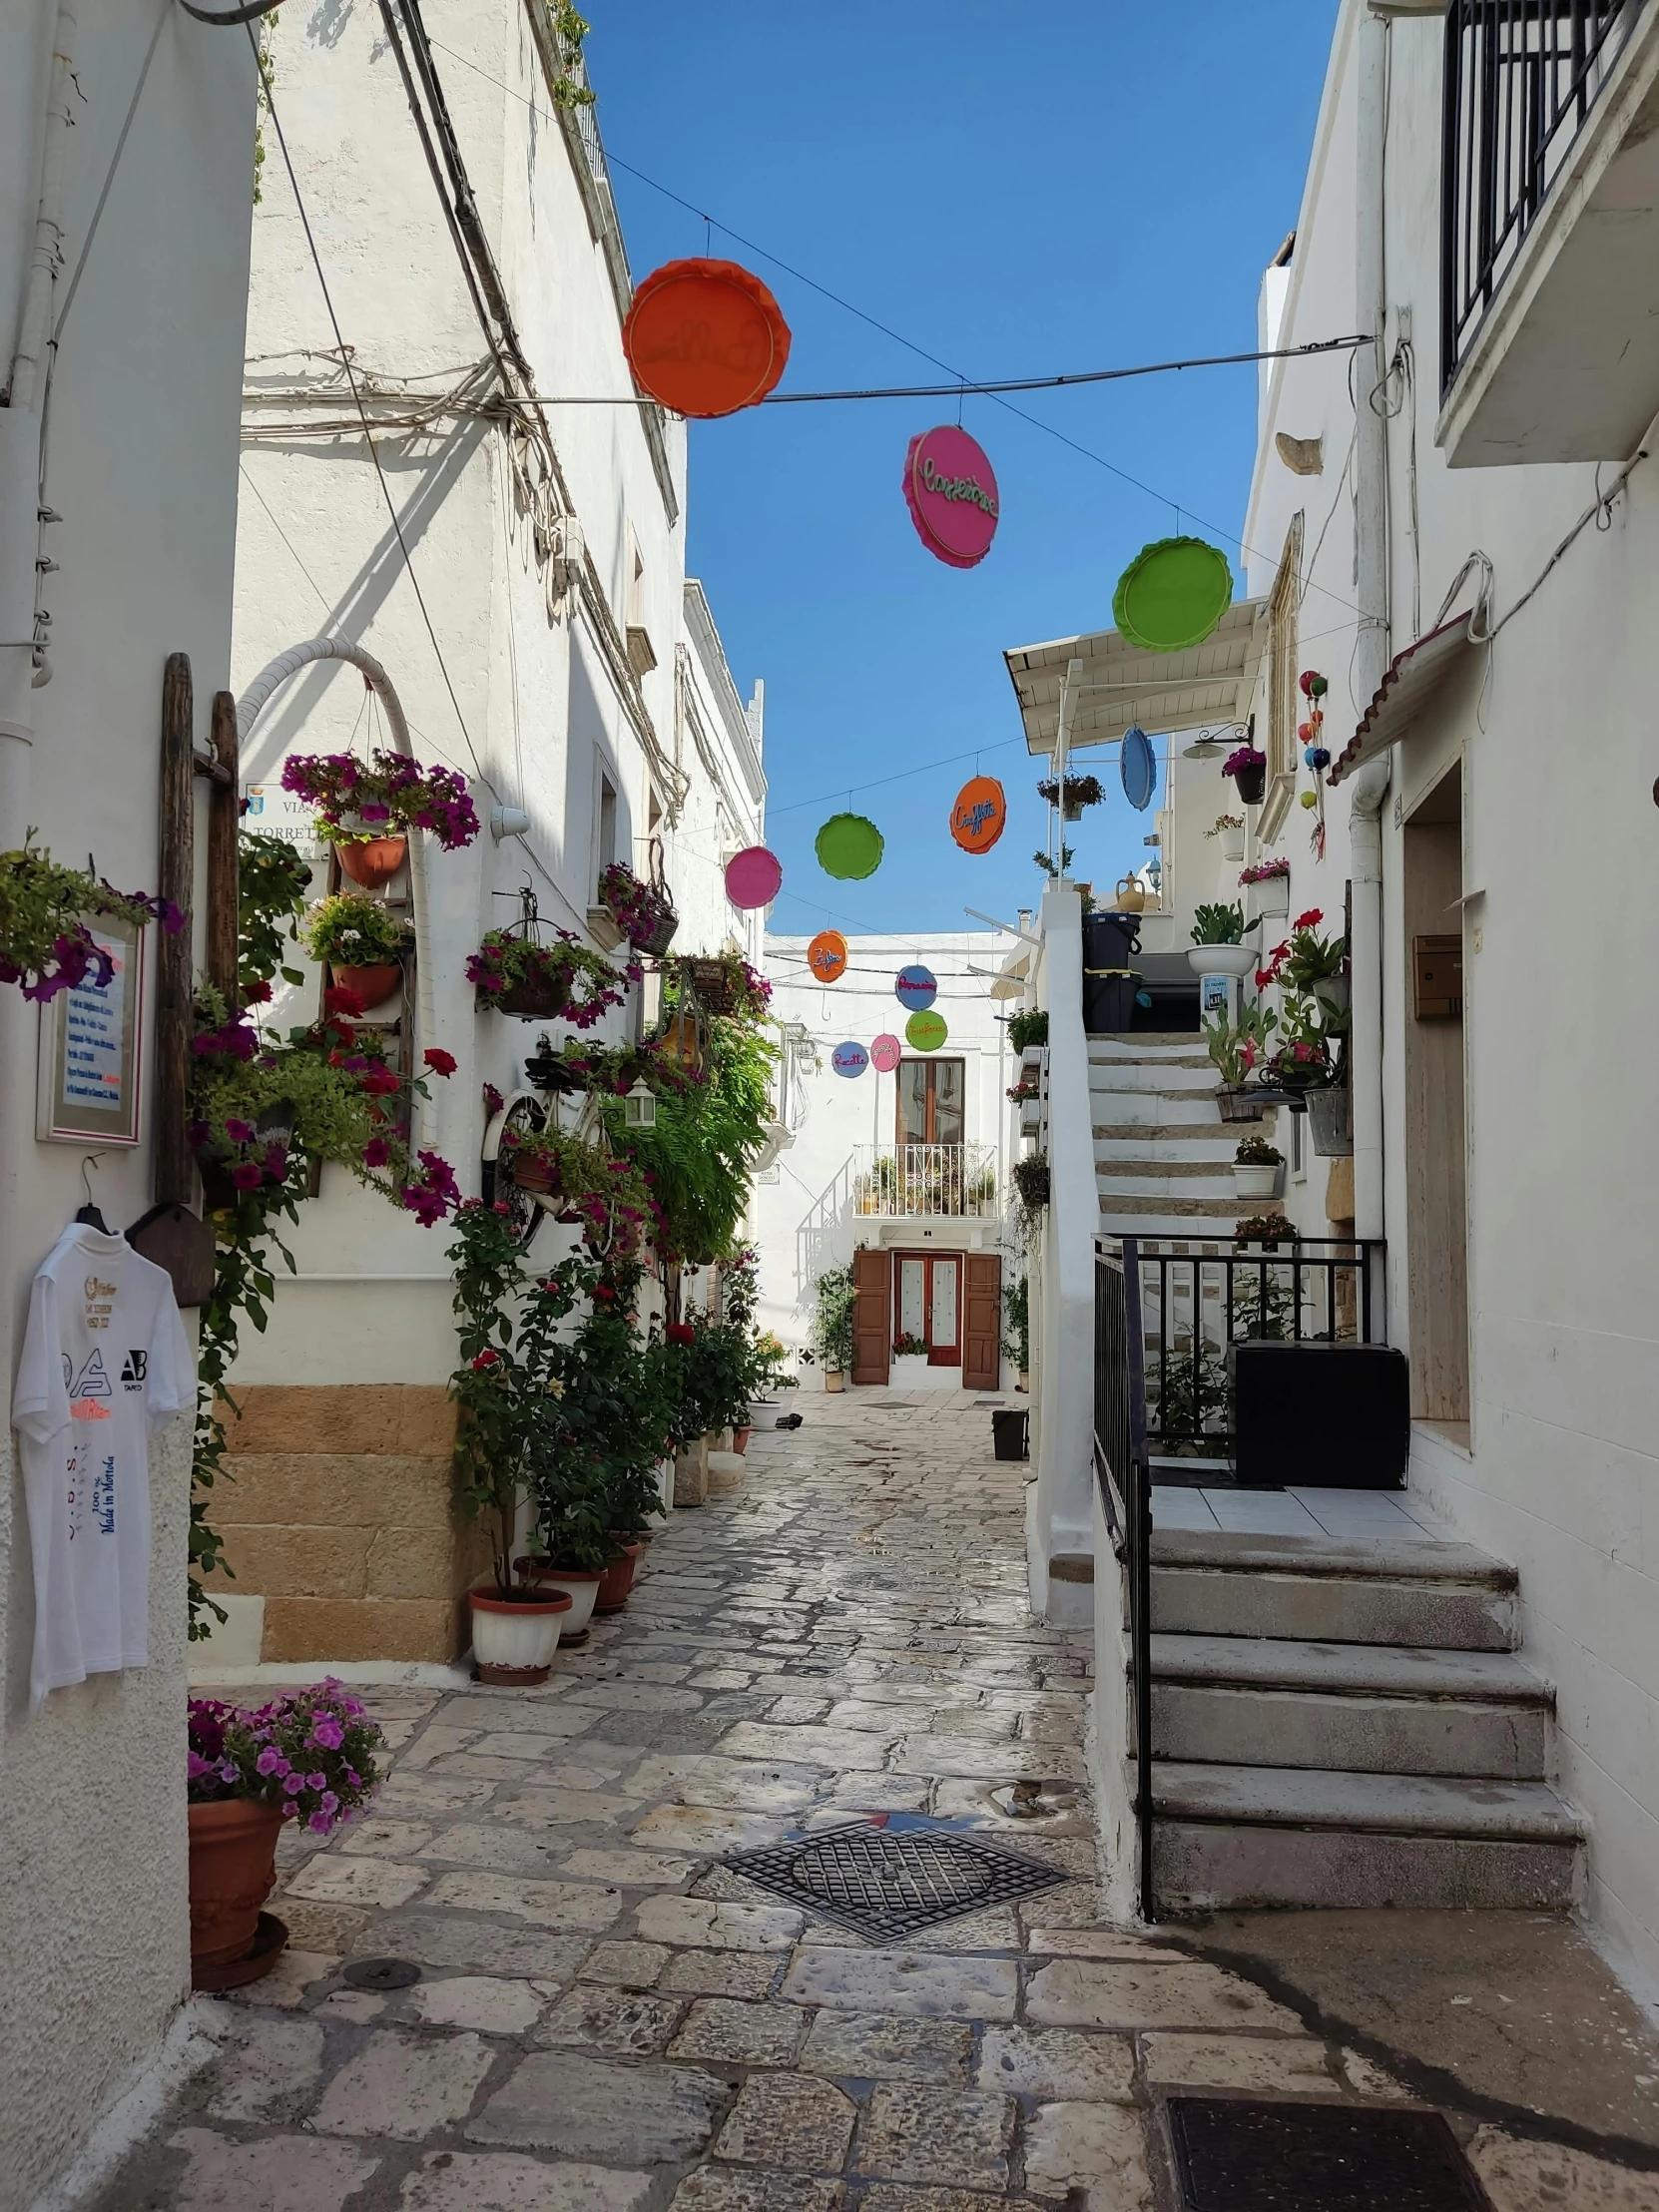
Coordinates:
[611,2019]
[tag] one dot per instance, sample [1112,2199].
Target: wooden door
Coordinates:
[871,1316]
[945,1310]
[982,1322]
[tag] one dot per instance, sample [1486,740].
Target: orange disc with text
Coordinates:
[980,814]
[826,956]
[705,337]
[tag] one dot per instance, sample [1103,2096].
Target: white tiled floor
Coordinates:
[1340,1514]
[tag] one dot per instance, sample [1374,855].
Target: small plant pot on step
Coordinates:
[1241,1104]
[232,1866]
[514,1638]
[373,985]
[371,862]
[579,1584]
[1255,1181]
[618,1579]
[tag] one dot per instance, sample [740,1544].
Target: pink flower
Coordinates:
[270,1760]
[247,1175]
[376,1152]
[493,1100]
[288,1809]
[326,1732]
[320,1824]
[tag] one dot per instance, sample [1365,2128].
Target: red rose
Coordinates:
[378,1081]
[487,1358]
[679,1332]
[256,993]
[439,1061]
[603,1295]
[336,999]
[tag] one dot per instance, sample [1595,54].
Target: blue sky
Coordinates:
[1069,185]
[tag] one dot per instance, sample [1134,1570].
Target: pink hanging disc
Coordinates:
[754,876]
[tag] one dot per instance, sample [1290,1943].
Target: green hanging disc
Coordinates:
[926,1032]
[1172,595]
[849,846]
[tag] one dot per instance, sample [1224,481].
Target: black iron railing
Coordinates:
[1197,1300]
[1123,1471]
[1521,78]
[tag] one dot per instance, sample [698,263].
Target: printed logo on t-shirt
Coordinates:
[100,1302]
[88,1388]
[131,1374]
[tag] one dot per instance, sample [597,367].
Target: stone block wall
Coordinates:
[342,1517]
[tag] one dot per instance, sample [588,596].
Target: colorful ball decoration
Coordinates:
[849,1059]
[927,1031]
[979,813]
[950,489]
[705,337]
[916,988]
[1137,766]
[754,876]
[826,956]
[1172,595]
[849,846]
[886,1053]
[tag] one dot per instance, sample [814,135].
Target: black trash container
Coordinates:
[1008,1430]
[1109,1000]
[1110,941]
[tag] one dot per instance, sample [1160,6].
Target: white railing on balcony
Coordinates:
[955,1180]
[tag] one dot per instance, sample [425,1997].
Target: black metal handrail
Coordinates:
[1521,78]
[1198,1300]
[1124,1473]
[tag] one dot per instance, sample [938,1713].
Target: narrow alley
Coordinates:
[607,2016]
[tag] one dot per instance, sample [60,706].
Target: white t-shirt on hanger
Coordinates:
[105,1360]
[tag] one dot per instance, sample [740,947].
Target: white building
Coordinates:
[908,1166]
[531,609]
[123,284]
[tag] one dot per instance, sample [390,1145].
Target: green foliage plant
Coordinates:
[45,943]
[831,1334]
[1028,1029]
[1016,1322]
[272,882]
[1218,924]
[1238,1047]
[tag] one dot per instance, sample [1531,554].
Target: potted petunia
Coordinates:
[47,915]
[1268,885]
[312,1756]
[516,974]
[1256,1167]
[1218,946]
[643,911]
[1247,765]
[1078,791]
[362,941]
[366,809]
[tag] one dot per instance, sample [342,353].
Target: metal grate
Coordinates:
[891,1882]
[1238,2157]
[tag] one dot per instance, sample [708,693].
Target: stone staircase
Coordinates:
[1345,1724]
[1163,1156]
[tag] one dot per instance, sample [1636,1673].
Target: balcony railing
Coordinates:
[955,1180]
[1521,79]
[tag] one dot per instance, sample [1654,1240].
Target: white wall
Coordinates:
[94,1932]
[1561,1060]
[803,1211]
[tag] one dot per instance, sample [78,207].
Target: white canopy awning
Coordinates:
[1410,688]
[1206,686]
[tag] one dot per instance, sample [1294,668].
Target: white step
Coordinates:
[1367,1708]
[1185,1045]
[1176,1076]
[1239,1838]
[1162,1143]
[1168,1179]
[1128,1214]
[1154,1109]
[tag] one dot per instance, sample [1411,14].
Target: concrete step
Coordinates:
[1161,1179]
[1162,1045]
[1164,1141]
[1151,1109]
[1235,1838]
[1176,1076]
[1160,1213]
[1361,1708]
[1385,1590]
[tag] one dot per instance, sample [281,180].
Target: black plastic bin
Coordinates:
[1110,941]
[1008,1430]
[1329,1416]
[1109,1000]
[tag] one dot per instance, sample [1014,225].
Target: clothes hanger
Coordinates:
[88,1213]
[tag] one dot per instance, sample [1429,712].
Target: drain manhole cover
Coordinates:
[1236,2157]
[884,1882]
[381,1974]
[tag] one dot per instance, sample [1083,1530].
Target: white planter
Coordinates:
[909,1367]
[1232,845]
[1271,897]
[1223,959]
[514,1644]
[1260,1180]
[580,1588]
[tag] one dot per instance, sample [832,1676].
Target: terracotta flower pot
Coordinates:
[740,1438]
[618,1579]
[529,1173]
[233,1865]
[514,1639]
[373,860]
[373,985]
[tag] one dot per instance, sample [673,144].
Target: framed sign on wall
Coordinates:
[89,1072]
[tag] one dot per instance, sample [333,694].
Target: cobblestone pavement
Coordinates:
[610,2018]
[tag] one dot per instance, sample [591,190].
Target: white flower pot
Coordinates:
[1223,959]
[1259,1180]
[1232,845]
[1271,897]
[580,1585]
[514,1643]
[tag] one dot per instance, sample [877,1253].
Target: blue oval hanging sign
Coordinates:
[916,988]
[849,1059]
[1138,764]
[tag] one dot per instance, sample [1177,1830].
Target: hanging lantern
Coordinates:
[705,337]
[916,988]
[849,846]
[886,1053]
[926,1032]
[754,876]
[1138,767]
[826,956]
[1172,595]
[979,815]
[849,1059]
[950,489]
[639,1108]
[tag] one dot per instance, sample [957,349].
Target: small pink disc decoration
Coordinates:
[951,488]
[886,1053]
[754,876]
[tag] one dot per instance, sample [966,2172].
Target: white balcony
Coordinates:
[938,1182]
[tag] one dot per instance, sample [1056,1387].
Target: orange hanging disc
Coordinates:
[826,956]
[979,815]
[705,337]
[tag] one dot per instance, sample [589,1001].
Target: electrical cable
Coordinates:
[248,14]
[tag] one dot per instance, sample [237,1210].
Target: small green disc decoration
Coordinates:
[849,846]
[1172,595]
[926,1032]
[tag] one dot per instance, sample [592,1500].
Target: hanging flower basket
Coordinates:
[1248,767]
[1080,791]
[369,860]
[389,793]
[643,911]
[518,975]
[727,985]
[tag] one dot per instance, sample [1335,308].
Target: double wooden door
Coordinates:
[956,1297]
